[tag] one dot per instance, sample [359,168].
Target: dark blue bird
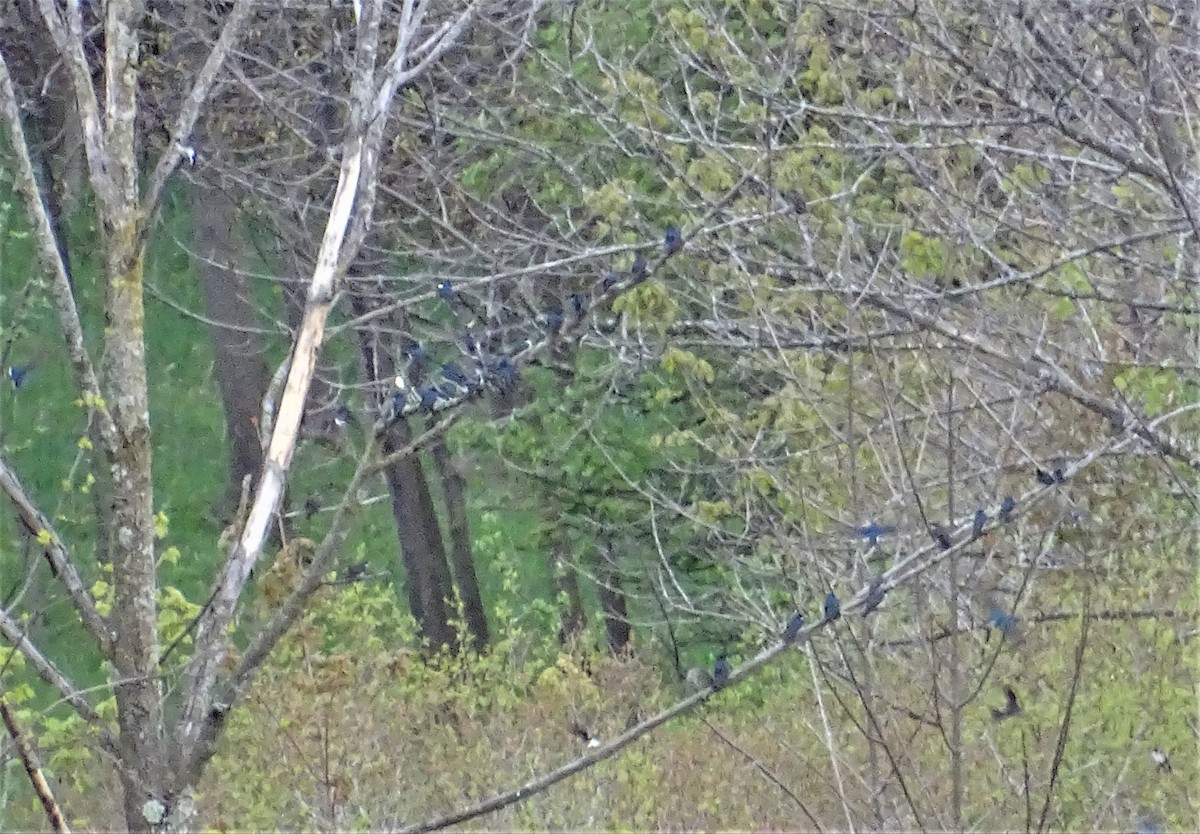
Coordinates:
[430,397]
[355,572]
[833,607]
[1002,621]
[579,304]
[470,343]
[672,241]
[552,320]
[875,595]
[871,532]
[940,536]
[446,291]
[1011,706]
[640,270]
[502,374]
[416,355]
[610,280]
[1050,478]
[398,404]
[17,374]
[342,415]
[721,670]
[793,627]
[978,523]
[1006,508]
[454,374]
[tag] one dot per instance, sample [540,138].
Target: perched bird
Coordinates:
[875,595]
[356,572]
[796,200]
[1160,758]
[1050,478]
[941,537]
[978,524]
[833,607]
[17,374]
[698,678]
[454,374]
[429,398]
[446,292]
[610,280]
[579,304]
[1006,508]
[501,374]
[415,355]
[312,506]
[793,627]
[583,734]
[342,415]
[640,270]
[1003,622]
[872,532]
[552,320]
[398,404]
[672,241]
[470,343]
[720,673]
[1011,707]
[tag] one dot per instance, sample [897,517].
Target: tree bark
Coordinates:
[612,602]
[240,369]
[462,557]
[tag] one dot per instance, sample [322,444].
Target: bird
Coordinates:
[875,595]
[1006,508]
[446,291]
[415,355]
[579,304]
[429,398]
[833,607]
[356,572]
[312,506]
[793,627]
[342,415]
[583,734]
[978,523]
[872,532]
[1050,478]
[640,270]
[1160,758]
[552,320]
[399,403]
[672,241]
[940,536]
[470,343]
[17,374]
[796,200]
[610,280]
[1003,621]
[1011,706]
[720,673]
[501,374]
[454,374]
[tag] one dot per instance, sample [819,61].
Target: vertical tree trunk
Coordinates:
[240,369]
[565,582]
[417,528]
[462,559]
[612,601]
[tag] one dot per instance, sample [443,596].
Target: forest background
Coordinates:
[409,405]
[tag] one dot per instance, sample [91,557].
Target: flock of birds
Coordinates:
[422,388]
[1004,622]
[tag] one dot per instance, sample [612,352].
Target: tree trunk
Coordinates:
[612,602]
[417,528]
[462,558]
[565,582]
[240,369]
